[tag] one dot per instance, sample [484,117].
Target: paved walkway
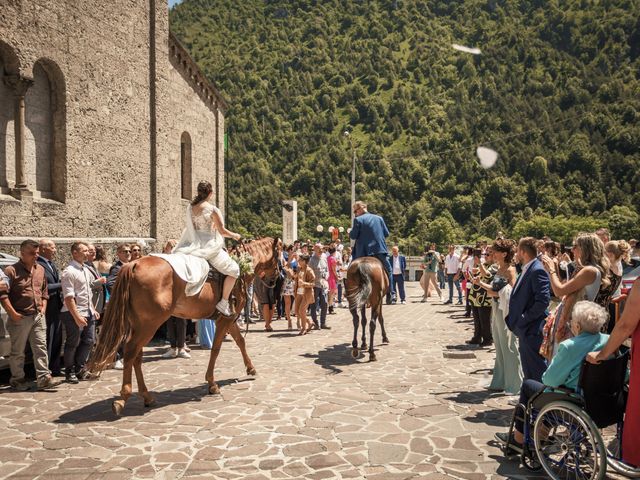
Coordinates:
[312,412]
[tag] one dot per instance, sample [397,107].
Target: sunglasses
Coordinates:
[125,251]
[135,250]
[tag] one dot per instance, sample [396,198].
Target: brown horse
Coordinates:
[367,284]
[147,292]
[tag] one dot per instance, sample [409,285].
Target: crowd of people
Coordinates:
[545,307]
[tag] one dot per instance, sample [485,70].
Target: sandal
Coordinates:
[268,329]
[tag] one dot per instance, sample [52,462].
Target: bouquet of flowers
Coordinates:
[245,262]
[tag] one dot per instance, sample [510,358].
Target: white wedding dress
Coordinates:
[201,239]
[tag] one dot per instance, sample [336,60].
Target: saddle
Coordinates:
[216,279]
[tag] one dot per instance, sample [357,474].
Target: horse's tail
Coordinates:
[359,296]
[115,322]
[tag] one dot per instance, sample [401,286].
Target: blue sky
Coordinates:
[173,2]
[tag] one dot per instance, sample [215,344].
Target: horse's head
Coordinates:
[265,253]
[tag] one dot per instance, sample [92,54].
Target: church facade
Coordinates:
[106,123]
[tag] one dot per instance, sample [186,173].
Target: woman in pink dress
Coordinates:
[628,325]
[333,277]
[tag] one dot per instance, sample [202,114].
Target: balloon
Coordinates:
[487,157]
[319,228]
[341,229]
[331,229]
[462,48]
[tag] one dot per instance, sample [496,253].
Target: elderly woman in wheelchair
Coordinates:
[555,426]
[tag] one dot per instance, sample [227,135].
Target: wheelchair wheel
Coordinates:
[568,443]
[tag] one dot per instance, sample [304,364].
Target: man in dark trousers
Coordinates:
[47,251]
[398,266]
[528,309]
[369,232]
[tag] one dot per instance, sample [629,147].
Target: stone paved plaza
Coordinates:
[311,412]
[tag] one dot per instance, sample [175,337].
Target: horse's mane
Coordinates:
[265,253]
[261,249]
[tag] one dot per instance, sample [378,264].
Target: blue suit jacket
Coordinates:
[369,232]
[403,262]
[529,301]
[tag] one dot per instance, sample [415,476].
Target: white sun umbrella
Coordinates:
[487,156]
[462,48]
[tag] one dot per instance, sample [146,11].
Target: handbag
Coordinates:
[549,333]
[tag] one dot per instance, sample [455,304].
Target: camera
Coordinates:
[477,252]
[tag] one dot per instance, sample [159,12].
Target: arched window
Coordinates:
[185,166]
[45,148]
[8,66]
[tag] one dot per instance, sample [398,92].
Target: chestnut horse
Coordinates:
[147,292]
[367,284]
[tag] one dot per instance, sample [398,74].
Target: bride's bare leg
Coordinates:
[227,286]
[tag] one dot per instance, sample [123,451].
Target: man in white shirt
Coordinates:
[398,266]
[452,269]
[78,314]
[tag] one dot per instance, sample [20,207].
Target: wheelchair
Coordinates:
[562,428]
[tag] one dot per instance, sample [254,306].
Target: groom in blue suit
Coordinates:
[369,232]
[528,309]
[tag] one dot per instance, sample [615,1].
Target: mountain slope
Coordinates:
[556,92]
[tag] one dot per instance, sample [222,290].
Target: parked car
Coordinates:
[5,342]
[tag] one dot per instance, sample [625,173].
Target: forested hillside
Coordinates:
[556,92]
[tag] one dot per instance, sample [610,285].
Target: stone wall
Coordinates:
[118,104]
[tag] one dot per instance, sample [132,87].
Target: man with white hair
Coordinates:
[318,263]
[46,253]
[587,319]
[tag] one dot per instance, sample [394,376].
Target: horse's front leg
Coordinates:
[236,334]
[354,343]
[221,329]
[363,346]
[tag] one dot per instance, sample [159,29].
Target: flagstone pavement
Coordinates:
[312,411]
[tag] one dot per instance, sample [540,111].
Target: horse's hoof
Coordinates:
[251,371]
[150,403]
[355,352]
[372,357]
[117,406]
[214,389]
[363,347]
[385,340]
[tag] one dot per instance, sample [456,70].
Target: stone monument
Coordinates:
[289,221]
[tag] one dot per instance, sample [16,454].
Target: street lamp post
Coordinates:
[353,173]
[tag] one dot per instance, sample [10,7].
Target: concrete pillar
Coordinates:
[289,221]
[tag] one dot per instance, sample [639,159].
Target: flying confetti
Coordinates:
[487,157]
[462,48]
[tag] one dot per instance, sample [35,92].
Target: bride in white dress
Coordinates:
[203,237]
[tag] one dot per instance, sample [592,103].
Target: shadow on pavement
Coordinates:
[510,467]
[100,411]
[333,357]
[494,417]
[476,398]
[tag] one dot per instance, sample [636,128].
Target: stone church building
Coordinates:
[106,123]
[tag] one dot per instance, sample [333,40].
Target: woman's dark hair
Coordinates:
[552,248]
[204,190]
[332,250]
[100,253]
[303,258]
[505,246]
